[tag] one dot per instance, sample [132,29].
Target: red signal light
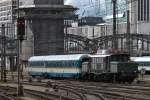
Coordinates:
[21,28]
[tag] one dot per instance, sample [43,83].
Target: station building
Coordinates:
[8,16]
[139,22]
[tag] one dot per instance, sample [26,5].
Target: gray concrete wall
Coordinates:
[48,36]
[45,32]
[44,37]
[28,43]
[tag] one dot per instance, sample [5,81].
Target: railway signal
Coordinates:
[20,38]
[21,28]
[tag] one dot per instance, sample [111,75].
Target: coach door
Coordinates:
[44,69]
[86,65]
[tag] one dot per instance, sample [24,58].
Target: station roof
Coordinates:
[59,57]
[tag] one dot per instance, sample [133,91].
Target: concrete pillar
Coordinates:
[48,36]
[45,27]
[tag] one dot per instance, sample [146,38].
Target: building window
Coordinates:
[147,10]
[143,10]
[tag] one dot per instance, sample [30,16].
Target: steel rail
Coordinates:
[5,97]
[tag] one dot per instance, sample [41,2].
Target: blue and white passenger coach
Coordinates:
[66,66]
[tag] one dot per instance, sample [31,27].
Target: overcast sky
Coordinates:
[87,7]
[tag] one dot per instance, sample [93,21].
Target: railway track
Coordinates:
[67,92]
[48,96]
[85,95]
[99,91]
[125,95]
[5,97]
[8,93]
[78,95]
[116,91]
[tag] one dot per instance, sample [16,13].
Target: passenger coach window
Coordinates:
[55,64]
[36,63]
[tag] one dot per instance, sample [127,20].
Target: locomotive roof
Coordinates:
[140,59]
[58,57]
